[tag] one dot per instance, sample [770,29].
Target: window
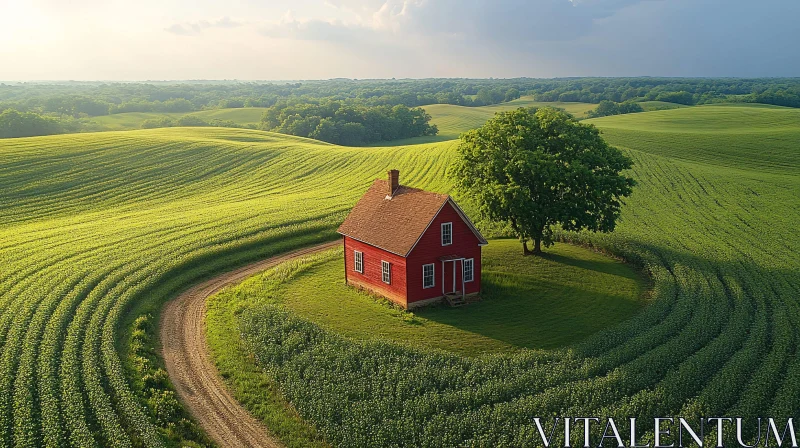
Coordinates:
[386,272]
[447,233]
[359,264]
[428,275]
[469,269]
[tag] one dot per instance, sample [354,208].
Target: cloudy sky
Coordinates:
[320,39]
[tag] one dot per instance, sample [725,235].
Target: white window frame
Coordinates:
[358,261]
[471,262]
[449,226]
[386,272]
[433,275]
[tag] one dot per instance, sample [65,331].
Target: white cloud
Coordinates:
[195,28]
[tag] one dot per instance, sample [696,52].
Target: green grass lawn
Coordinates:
[529,302]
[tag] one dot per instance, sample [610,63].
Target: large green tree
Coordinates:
[538,168]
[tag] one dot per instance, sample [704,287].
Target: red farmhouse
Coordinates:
[412,246]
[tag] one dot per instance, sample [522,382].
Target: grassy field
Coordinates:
[133,120]
[96,229]
[735,136]
[126,121]
[536,303]
[453,120]
[650,106]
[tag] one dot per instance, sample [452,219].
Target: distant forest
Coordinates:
[63,105]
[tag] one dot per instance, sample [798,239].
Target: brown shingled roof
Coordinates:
[395,224]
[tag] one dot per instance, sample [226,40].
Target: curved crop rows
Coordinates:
[720,339]
[96,229]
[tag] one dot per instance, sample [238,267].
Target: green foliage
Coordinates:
[680,97]
[187,121]
[26,124]
[152,385]
[163,122]
[535,169]
[190,120]
[347,124]
[606,108]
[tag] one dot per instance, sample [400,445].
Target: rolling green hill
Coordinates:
[734,136]
[452,120]
[96,229]
[133,120]
[126,121]
[244,116]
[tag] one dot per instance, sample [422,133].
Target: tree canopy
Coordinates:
[534,169]
[347,124]
[26,124]
[606,108]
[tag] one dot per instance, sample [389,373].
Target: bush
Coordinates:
[155,390]
[152,123]
[606,108]
[26,124]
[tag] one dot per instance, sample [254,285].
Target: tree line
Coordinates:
[606,108]
[348,124]
[687,91]
[187,120]
[48,108]
[87,99]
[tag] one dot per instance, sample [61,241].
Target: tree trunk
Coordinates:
[537,246]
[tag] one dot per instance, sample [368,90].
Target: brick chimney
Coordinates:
[394,181]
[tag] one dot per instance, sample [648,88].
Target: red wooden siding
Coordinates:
[371,278]
[429,249]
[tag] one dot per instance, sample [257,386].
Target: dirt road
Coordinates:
[191,370]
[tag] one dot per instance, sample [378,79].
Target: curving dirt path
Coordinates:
[192,371]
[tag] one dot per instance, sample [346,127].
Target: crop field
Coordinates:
[98,229]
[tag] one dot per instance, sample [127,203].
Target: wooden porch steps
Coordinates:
[455,299]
